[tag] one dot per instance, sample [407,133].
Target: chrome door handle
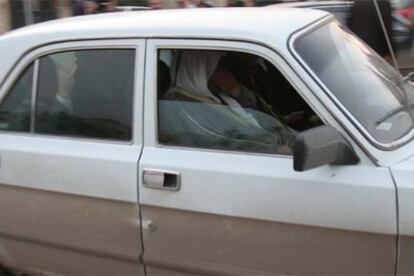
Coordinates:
[160,179]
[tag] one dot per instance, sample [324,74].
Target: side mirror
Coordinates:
[321,146]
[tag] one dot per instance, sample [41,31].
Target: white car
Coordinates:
[206,141]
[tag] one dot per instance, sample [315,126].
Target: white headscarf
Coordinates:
[195,69]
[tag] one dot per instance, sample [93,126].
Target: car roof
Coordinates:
[214,22]
[271,26]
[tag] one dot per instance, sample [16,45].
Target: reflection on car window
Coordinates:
[227,101]
[16,106]
[359,78]
[86,93]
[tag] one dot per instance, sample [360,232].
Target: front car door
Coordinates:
[70,143]
[210,206]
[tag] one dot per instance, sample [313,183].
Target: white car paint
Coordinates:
[359,198]
[403,175]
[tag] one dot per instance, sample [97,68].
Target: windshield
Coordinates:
[360,79]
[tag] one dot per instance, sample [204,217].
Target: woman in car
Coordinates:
[220,110]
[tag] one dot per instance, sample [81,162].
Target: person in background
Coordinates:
[83,7]
[240,3]
[47,10]
[371,31]
[155,4]
[262,3]
[193,4]
[107,5]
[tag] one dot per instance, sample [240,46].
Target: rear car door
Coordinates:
[70,142]
[214,204]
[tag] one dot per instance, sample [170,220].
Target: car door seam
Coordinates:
[141,256]
[398,238]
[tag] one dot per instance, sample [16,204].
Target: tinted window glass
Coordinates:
[360,79]
[228,101]
[86,94]
[15,108]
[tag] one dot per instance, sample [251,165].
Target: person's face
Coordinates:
[111,5]
[90,7]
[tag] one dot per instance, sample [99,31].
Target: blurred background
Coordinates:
[360,16]
[18,13]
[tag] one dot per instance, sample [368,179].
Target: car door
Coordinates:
[70,142]
[240,210]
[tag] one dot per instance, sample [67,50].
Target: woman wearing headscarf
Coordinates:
[208,113]
[199,73]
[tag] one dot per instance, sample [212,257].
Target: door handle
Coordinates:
[160,179]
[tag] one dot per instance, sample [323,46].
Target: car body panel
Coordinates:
[83,200]
[242,193]
[232,205]
[403,175]
[45,231]
[202,243]
[406,251]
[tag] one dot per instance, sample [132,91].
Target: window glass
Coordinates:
[227,101]
[360,79]
[15,108]
[86,93]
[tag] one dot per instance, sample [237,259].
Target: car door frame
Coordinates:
[124,197]
[255,48]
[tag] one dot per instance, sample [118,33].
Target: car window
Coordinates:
[86,93]
[15,108]
[227,101]
[369,87]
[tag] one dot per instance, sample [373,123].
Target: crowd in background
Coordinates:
[20,13]
[97,6]
[362,18]
[370,31]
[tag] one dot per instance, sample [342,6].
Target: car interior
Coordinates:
[278,109]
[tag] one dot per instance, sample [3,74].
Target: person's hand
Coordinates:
[225,82]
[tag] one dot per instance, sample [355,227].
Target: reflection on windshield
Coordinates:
[360,79]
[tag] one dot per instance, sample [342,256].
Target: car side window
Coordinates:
[86,93]
[15,109]
[227,100]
